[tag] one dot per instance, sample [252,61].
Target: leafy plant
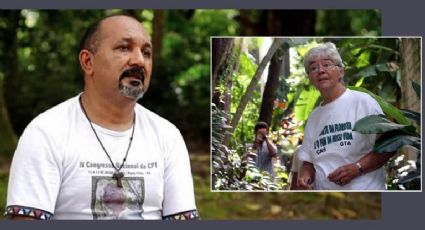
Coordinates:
[391,111]
[230,171]
[393,137]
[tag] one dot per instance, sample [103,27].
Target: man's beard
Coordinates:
[135,92]
[133,88]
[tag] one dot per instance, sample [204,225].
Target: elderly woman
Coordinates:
[334,156]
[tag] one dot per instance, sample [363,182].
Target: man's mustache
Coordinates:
[134,72]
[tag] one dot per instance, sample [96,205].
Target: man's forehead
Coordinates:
[123,27]
[146,42]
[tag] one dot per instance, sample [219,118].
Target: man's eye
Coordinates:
[326,65]
[146,53]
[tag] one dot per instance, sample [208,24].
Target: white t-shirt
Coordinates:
[60,169]
[329,141]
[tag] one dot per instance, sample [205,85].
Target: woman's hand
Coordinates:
[307,174]
[344,174]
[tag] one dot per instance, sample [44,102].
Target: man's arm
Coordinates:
[179,196]
[16,212]
[34,177]
[368,163]
[270,146]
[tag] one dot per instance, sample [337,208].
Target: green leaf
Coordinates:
[390,110]
[417,89]
[367,72]
[376,124]
[412,115]
[305,103]
[392,141]
[359,82]
[382,67]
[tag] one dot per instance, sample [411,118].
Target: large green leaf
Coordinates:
[372,70]
[412,115]
[380,124]
[390,110]
[417,88]
[305,103]
[383,67]
[393,140]
[367,72]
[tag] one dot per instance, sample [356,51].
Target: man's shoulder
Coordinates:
[153,118]
[57,116]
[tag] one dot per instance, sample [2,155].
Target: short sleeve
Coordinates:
[178,183]
[304,154]
[296,163]
[34,179]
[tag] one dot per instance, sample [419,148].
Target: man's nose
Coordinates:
[137,58]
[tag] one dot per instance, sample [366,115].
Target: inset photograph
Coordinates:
[316,114]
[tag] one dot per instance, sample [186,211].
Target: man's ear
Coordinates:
[86,61]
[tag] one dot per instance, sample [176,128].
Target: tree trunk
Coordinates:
[221,50]
[229,76]
[160,72]
[303,22]
[252,85]
[222,66]
[7,135]
[269,94]
[10,81]
[410,71]
[158,24]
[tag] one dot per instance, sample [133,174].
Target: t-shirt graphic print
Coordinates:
[112,202]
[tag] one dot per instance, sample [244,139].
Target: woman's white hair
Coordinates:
[326,50]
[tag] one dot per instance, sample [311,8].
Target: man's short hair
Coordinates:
[261,125]
[91,38]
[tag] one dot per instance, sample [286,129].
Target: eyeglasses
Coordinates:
[316,67]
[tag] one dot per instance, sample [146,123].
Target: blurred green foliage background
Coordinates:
[39,69]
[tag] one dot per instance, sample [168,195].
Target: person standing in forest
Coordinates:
[264,148]
[101,150]
[334,156]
